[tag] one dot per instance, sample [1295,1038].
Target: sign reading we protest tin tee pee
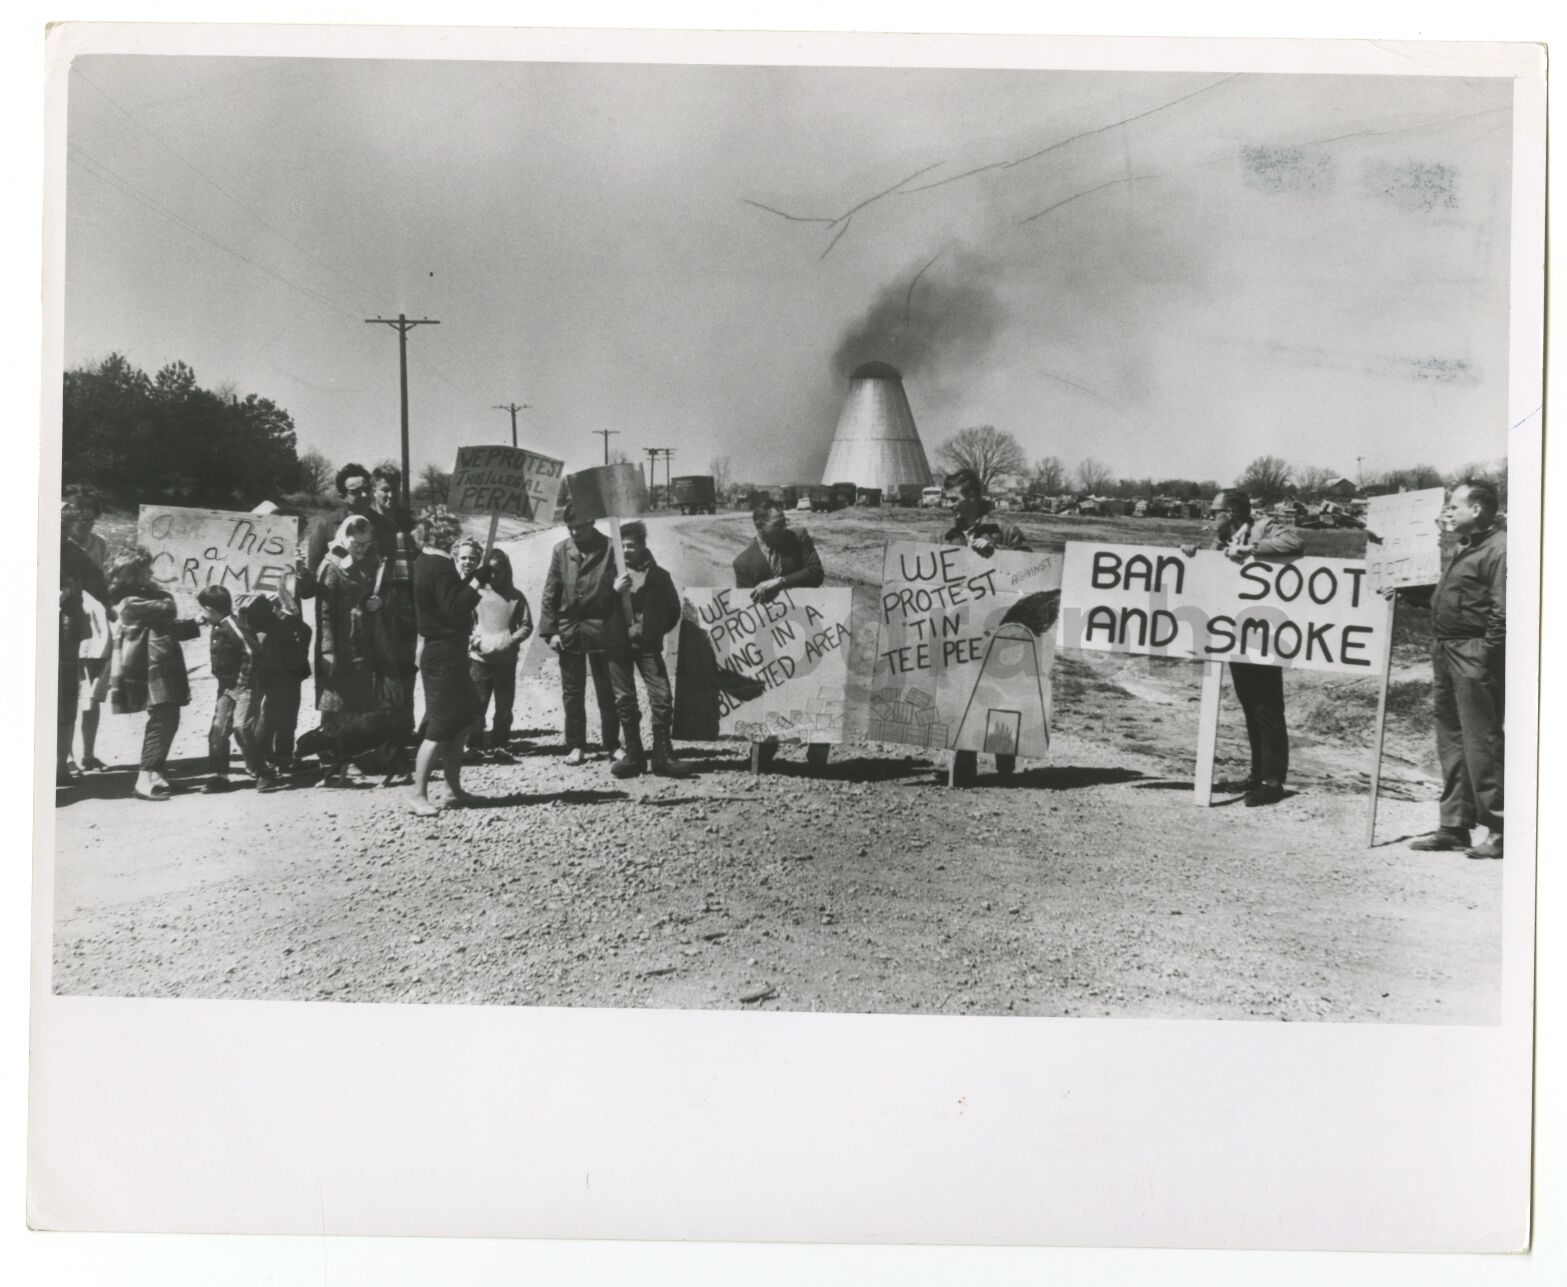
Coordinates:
[965,649]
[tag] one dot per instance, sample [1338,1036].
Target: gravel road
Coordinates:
[1088,885]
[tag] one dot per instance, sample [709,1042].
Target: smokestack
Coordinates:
[876,444]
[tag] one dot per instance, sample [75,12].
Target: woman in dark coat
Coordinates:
[147,669]
[444,603]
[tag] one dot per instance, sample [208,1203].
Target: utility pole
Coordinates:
[669,453]
[652,469]
[514,408]
[605,434]
[403,325]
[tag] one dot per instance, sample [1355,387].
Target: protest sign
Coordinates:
[194,548]
[965,649]
[607,491]
[505,480]
[779,669]
[1309,614]
[1403,542]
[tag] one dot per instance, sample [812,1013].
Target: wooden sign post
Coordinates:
[1208,730]
[1376,752]
[1403,547]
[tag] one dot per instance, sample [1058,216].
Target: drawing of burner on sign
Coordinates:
[967,643]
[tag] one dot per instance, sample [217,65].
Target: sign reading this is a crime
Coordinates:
[194,548]
[1309,614]
[505,480]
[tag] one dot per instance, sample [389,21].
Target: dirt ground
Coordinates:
[1086,885]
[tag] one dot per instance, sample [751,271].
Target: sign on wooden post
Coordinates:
[613,492]
[1307,614]
[194,548]
[509,481]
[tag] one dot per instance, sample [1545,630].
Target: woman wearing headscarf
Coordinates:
[147,669]
[444,603]
[345,644]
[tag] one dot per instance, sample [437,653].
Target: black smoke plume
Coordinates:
[939,316]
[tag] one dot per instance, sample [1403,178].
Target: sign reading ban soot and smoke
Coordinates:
[1309,614]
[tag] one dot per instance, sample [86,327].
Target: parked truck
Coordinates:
[870,497]
[904,494]
[844,495]
[694,494]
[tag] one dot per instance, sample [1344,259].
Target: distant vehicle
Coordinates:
[844,495]
[870,497]
[903,494]
[804,503]
[931,498]
[694,494]
[817,498]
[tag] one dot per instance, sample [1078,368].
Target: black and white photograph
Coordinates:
[977,543]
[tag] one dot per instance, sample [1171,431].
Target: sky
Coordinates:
[1173,273]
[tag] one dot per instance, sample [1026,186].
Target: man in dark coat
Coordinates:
[974,526]
[1468,671]
[583,620]
[973,521]
[1245,537]
[780,558]
[655,611]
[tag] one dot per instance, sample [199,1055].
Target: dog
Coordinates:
[354,737]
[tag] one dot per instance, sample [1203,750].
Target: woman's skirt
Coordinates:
[451,702]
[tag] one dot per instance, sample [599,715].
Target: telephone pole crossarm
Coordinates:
[402,324]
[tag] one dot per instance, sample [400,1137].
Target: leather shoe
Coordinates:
[1490,847]
[1263,794]
[1442,840]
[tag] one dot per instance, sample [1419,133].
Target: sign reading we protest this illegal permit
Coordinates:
[505,480]
[1309,614]
[194,548]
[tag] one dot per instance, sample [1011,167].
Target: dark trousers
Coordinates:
[231,716]
[276,717]
[163,721]
[1261,693]
[616,691]
[497,680]
[660,697]
[1469,693]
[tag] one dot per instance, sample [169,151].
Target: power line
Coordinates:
[99,170]
[605,435]
[514,408]
[213,183]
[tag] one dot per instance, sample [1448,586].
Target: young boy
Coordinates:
[282,666]
[655,611]
[233,655]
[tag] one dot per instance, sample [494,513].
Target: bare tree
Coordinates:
[315,473]
[718,467]
[1048,476]
[1414,479]
[1494,473]
[1094,476]
[1266,479]
[1312,480]
[988,451]
[435,484]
